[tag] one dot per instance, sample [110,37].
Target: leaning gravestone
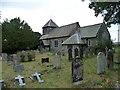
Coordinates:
[77,70]
[20,80]
[57,63]
[100,63]
[110,61]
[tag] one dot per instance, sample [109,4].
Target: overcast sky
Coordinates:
[37,12]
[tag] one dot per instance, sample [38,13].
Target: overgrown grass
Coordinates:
[60,78]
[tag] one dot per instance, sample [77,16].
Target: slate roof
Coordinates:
[90,31]
[75,39]
[44,37]
[50,23]
[63,31]
[46,42]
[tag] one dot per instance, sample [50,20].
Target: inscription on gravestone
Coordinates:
[77,70]
[101,63]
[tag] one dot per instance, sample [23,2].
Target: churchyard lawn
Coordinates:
[59,78]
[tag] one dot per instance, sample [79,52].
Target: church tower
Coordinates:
[49,26]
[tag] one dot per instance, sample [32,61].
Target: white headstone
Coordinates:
[20,80]
[57,63]
[101,63]
[37,76]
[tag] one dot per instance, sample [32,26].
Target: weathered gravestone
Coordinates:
[57,63]
[77,70]
[4,56]
[20,80]
[18,68]
[37,76]
[110,62]
[101,63]
[1,84]
[10,59]
[16,59]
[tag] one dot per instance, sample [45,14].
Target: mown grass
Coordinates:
[60,78]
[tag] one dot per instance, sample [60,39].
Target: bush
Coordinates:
[31,56]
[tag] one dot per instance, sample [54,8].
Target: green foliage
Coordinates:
[109,10]
[31,56]
[17,35]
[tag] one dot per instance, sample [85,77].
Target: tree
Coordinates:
[17,35]
[109,10]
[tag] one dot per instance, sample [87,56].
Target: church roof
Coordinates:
[64,31]
[50,23]
[75,39]
[90,31]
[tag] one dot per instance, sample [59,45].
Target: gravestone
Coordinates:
[37,77]
[101,63]
[16,59]
[45,60]
[1,84]
[77,70]
[57,63]
[110,62]
[70,54]
[18,68]
[20,80]
[10,59]
[4,56]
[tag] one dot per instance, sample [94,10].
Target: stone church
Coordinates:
[54,36]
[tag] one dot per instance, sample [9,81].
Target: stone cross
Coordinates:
[37,76]
[101,63]
[77,70]
[21,80]
[57,63]
[1,84]
[110,62]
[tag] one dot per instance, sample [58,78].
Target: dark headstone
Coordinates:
[100,63]
[77,70]
[45,60]
[70,55]
[110,62]
[18,68]
[10,59]
[20,80]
